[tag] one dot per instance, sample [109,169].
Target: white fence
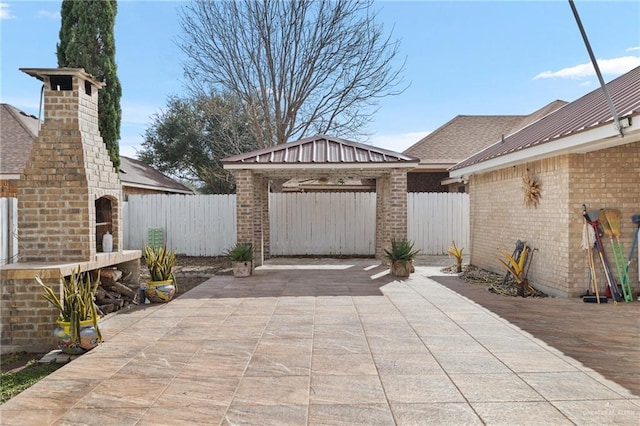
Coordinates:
[333,223]
[300,224]
[8,230]
[195,225]
[435,219]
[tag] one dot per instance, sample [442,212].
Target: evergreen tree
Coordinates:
[87,41]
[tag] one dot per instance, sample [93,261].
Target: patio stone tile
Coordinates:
[282,390]
[339,345]
[494,388]
[265,415]
[337,330]
[31,416]
[436,413]
[455,343]
[538,361]
[52,395]
[382,345]
[406,364]
[217,365]
[472,363]
[345,415]
[568,386]
[102,416]
[523,413]
[417,389]
[185,392]
[284,363]
[350,390]
[298,318]
[155,366]
[297,346]
[288,331]
[601,412]
[220,346]
[343,364]
[192,414]
[123,392]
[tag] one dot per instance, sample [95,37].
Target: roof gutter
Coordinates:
[618,124]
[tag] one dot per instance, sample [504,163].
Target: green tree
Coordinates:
[300,67]
[87,41]
[193,134]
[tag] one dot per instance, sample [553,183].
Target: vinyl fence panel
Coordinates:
[8,230]
[436,219]
[194,225]
[322,223]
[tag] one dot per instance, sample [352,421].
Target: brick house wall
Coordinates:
[601,179]
[426,182]
[8,188]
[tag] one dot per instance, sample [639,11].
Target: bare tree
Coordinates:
[300,67]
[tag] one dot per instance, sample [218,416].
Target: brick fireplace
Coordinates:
[69,181]
[69,196]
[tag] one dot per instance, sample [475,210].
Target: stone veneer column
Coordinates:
[266,230]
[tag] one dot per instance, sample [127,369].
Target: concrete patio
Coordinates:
[321,342]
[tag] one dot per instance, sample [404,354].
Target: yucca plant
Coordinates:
[160,262]
[457,253]
[77,303]
[516,268]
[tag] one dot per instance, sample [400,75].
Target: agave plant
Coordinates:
[77,303]
[160,262]
[457,253]
[401,250]
[240,253]
[516,268]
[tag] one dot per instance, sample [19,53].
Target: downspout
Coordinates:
[618,124]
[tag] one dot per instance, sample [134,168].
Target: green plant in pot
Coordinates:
[241,257]
[162,286]
[77,330]
[401,257]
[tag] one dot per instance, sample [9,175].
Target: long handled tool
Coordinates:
[610,221]
[635,219]
[588,240]
[613,288]
[613,217]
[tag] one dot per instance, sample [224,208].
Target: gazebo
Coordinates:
[319,157]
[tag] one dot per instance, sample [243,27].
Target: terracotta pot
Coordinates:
[88,337]
[160,291]
[242,269]
[402,268]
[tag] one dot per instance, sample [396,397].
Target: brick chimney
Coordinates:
[70,193]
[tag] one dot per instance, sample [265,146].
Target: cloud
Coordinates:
[615,66]
[398,142]
[631,49]
[5,13]
[49,14]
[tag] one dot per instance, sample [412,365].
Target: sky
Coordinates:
[461,58]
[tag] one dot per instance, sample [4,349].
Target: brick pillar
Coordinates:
[382,208]
[266,229]
[260,219]
[397,216]
[244,206]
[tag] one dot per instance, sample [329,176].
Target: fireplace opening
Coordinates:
[104,221]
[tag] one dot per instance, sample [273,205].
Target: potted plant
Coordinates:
[162,286]
[401,257]
[77,330]
[457,253]
[241,257]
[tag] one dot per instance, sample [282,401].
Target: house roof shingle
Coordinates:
[586,113]
[16,138]
[135,173]
[465,135]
